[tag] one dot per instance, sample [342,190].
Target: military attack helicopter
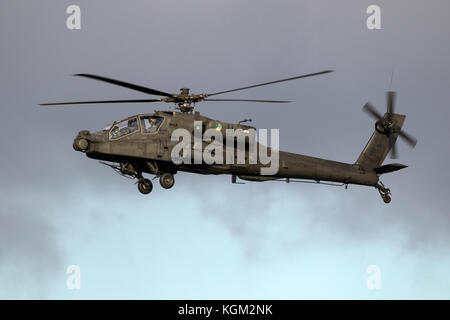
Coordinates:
[142,143]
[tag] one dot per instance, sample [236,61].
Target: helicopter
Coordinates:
[142,144]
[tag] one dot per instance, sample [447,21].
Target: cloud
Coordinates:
[297,217]
[30,252]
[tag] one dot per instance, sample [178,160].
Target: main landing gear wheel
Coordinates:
[167,180]
[145,186]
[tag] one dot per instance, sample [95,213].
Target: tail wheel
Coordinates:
[167,180]
[385,193]
[145,186]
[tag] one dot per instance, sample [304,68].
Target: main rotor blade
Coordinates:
[372,111]
[390,96]
[272,82]
[408,138]
[101,101]
[124,84]
[392,146]
[249,100]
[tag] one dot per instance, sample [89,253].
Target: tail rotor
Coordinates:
[386,125]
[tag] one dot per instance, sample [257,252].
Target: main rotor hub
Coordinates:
[185,100]
[184,91]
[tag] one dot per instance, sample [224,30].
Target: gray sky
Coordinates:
[267,240]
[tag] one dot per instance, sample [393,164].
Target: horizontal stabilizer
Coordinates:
[389,168]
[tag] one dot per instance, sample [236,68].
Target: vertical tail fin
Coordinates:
[378,145]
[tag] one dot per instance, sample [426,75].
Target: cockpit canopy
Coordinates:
[151,124]
[123,128]
[148,125]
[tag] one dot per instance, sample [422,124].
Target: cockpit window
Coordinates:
[151,124]
[123,128]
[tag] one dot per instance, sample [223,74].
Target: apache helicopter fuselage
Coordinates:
[150,152]
[143,144]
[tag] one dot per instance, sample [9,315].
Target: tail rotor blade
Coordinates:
[391,95]
[372,111]
[410,140]
[392,146]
